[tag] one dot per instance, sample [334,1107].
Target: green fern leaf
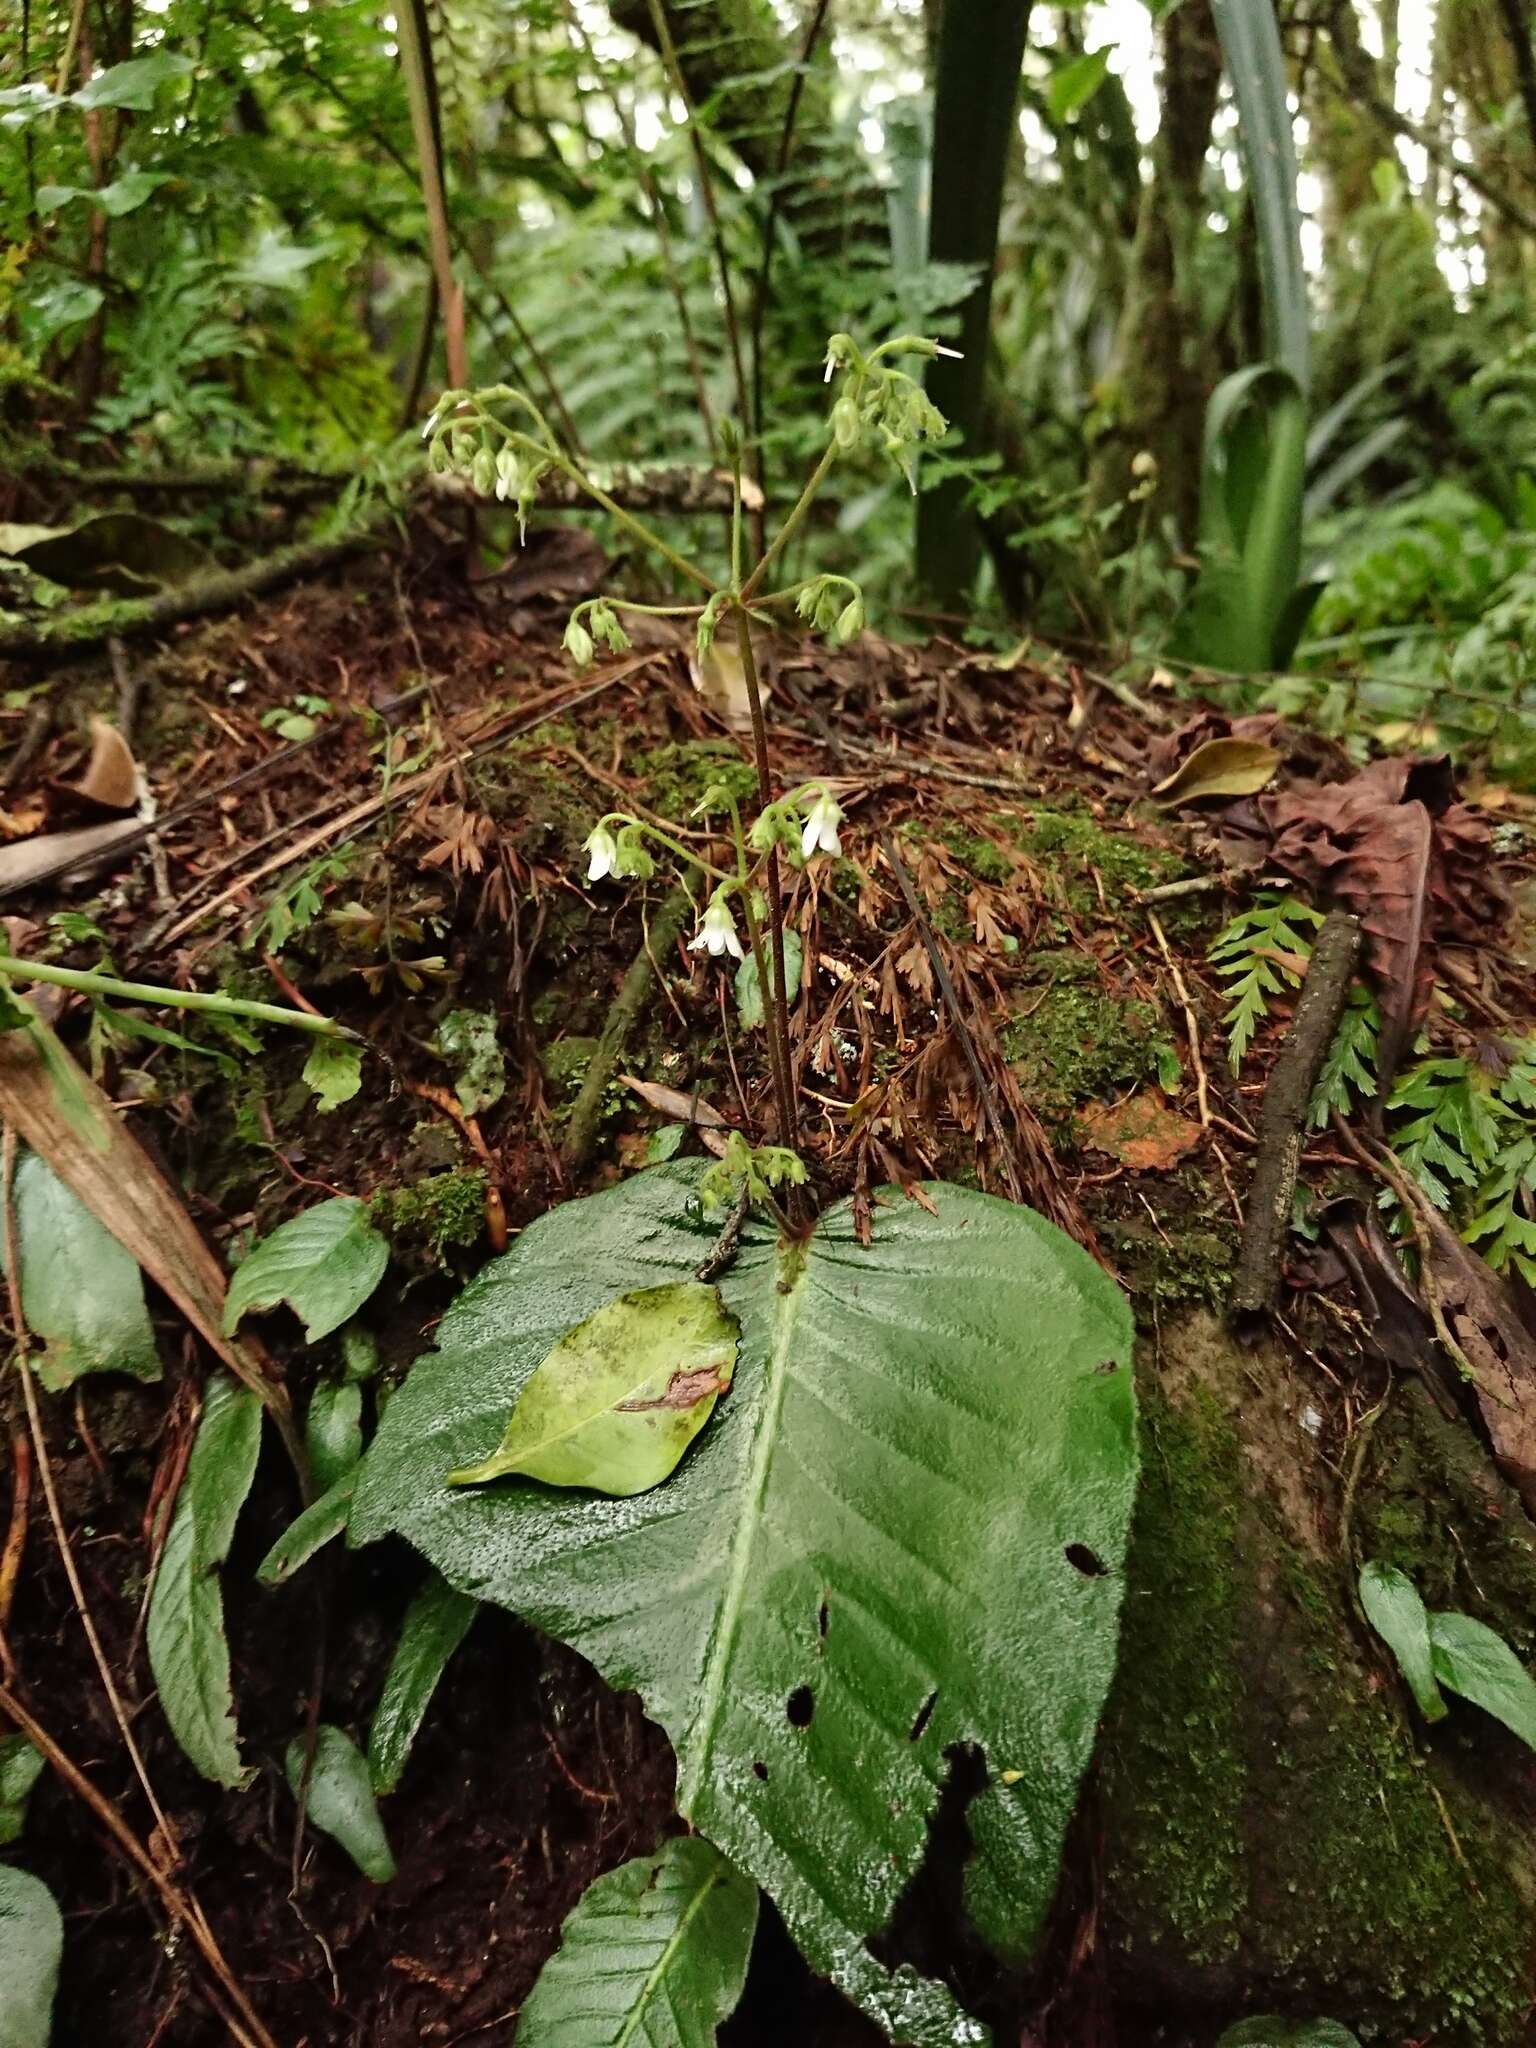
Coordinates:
[1262,952]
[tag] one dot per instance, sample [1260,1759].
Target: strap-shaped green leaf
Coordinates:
[902,1531]
[435,1624]
[654,1955]
[188,1652]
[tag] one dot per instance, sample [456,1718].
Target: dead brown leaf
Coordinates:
[1392,845]
[1141,1132]
[111,778]
[1484,1317]
[674,1104]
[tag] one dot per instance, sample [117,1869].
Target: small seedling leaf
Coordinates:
[1394,1609]
[749,996]
[31,1948]
[1473,1660]
[333,1431]
[655,1953]
[324,1263]
[622,1395]
[341,1801]
[188,1652]
[334,1070]
[308,1532]
[435,1624]
[80,1291]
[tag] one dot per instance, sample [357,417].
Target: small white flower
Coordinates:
[604,849]
[820,834]
[717,934]
[955,354]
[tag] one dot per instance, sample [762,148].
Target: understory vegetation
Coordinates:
[768,1085]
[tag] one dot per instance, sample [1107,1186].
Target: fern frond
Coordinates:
[1349,1071]
[1262,952]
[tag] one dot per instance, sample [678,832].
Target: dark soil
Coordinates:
[530,1777]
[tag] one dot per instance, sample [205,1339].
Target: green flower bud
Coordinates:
[578,641]
[482,473]
[850,620]
[845,422]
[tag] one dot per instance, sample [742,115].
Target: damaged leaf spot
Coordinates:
[822,1618]
[800,1706]
[760,1770]
[1083,1560]
[683,1390]
[924,1716]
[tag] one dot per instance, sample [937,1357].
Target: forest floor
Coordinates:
[1003,986]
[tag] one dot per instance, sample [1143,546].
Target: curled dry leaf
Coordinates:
[674,1104]
[111,778]
[1220,768]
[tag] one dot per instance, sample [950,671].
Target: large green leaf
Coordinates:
[622,1396]
[654,1954]
[435,1624]
[1394,1609]
[31,1946]
[133,84]
[324,1263]
[902,1532]
[188,1652]
[1473,1660]
[80,1291]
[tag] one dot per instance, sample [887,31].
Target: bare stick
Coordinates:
[1191,1027]
[1282,1121]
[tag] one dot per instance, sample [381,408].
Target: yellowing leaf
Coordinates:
[1220,768]
[620,1398]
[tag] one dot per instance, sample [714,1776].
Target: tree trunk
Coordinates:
[1161,375]
[981,50]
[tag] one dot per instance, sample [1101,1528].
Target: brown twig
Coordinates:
[1282,1120]
[1191,1026]
[15,1542]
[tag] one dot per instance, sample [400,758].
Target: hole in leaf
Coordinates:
[822,1618]
[930,1928]
[924,1716]
[1083,1560]
[800,1706]
[760,1770]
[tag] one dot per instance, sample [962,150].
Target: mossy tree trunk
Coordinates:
[1279,1834]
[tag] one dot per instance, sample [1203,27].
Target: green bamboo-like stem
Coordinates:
[92,984]
[778,1027]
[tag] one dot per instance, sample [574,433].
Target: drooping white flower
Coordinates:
[717,934]
[604,849]
[820,834]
